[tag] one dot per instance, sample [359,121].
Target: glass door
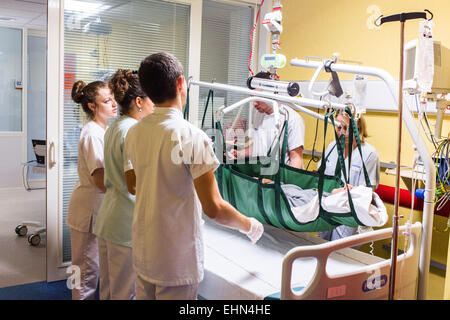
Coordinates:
[22,126]
[96,38]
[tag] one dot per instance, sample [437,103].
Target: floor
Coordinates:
[37,291]
[20,262]
[436,284]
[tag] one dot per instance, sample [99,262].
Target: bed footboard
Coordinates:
[370,282]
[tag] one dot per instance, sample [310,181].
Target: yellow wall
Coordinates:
[320,28]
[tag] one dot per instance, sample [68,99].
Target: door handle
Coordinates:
[51,155]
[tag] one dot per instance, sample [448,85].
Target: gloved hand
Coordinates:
[255,232]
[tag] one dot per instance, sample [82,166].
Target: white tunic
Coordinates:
[86,198]
[113,222]
[371,161]
[264,131]
[167,154]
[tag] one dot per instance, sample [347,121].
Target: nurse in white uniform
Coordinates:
[371,161]
[99,105]
[113,222]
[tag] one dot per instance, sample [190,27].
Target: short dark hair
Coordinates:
[158,75]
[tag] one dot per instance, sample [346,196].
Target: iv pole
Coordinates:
[402,17]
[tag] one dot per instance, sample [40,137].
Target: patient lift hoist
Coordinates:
[314,290]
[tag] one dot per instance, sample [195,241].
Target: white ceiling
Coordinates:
[30,14]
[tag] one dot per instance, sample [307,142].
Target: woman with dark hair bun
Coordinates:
[99,105]
[114,219]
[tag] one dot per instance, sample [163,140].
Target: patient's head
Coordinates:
[344,119]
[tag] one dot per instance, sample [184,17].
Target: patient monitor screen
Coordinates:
[410,61]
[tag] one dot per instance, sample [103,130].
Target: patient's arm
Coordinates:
[242,153]
[344,188]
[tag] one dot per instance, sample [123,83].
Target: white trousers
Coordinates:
[117,277]
[149,291]
[85,256]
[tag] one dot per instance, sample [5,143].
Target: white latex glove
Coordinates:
[255,232]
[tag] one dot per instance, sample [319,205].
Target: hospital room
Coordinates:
[225,150]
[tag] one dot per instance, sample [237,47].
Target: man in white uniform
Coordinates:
[264,131]
[174,163]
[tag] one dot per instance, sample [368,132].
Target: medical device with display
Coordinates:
[275,61]
[440,70]
[272,23]
[441,77]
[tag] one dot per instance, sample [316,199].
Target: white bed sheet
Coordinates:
[236,269]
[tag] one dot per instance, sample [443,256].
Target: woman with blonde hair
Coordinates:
[369,157]
[99,105]
[113,224]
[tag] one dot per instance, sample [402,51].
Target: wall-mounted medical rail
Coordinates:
[430,182]
[294,102]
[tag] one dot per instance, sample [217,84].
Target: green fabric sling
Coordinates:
[241,185]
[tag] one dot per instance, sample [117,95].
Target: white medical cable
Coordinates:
[420,115]
[362,229]
[407,232]
[442,202]
[408,224]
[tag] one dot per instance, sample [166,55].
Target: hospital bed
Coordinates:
[246,280]
[298,265]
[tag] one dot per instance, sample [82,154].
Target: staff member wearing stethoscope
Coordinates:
[115,217]
[99,105]
[371,161]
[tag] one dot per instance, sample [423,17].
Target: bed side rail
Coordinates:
[369,282]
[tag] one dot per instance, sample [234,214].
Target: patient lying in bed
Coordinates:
[369,208]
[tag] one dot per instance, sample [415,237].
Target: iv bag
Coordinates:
[424,70]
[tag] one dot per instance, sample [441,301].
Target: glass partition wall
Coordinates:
[99,38]
[22,120]
[225,53]
[11,79]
